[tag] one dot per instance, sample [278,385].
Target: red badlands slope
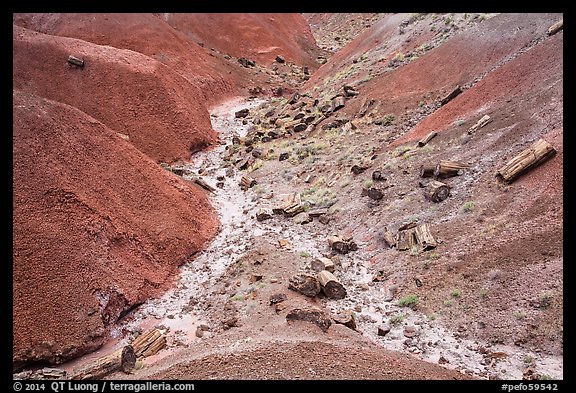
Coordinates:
[98,227]
[260,37]
[162,112]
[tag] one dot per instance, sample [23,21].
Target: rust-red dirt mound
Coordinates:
[97,228]
[260,37]
[163,114]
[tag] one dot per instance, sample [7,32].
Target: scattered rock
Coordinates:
[247,182]
[277,298]
[322,263]
[199,332]
[305,284]
[338,103]
[310,314]
[383,329]
[246,63]
[324,219]
[443,360]
[241,113]
[300,127]
[378,176]
[346,318]
[357,169]
[342,245]
[410,331]
[373,193]
[302,218]
[283,156]
[280,59]
[264,214]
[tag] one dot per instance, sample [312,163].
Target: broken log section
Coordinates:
[556,27]
[122,359]
[305,284]
[343,245]
[406,239]
[322,264]
[424,237]
[149,343]
[338,102]
[449,168]
[481,123]
[204,185]
[427,138]
[76,61]
[331,286]
[346,318]
[457,90]
[291,205]
[247,182]
[530,158]
[436,191]
[389,237]
[310,314]
[427,170]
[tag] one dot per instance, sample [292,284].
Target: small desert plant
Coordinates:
[432,317]
[238,297]
[483,293]
[545,300]
[433,256]
[448,303]
[520,315]
[396,319]
[367,183]
[305,254]
[388,119]
[468,207]
[460,122]
[528,359]
[456,293]
[408,301]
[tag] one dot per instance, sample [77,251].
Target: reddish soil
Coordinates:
[98,228]
[259,37]
[489,296]
[162,113]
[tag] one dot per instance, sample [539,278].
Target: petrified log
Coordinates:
[528,159]
[346,318]
[299,127]
[343,245]
[408,225]
[389,237]
[123,359]
[427,138]
[556,27]
[427,170]
[305,284]
[338,102]
[457,90]
[204,185]
[76,61]
[146,340]
[322,263]
[241,113]
[367,105]
[436,191]
[479,124]
[247,182]
[447,168]
[294,98]
[331,286]
[290,205]
[424,237]
[406,239]
[310,314]
[263,214]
